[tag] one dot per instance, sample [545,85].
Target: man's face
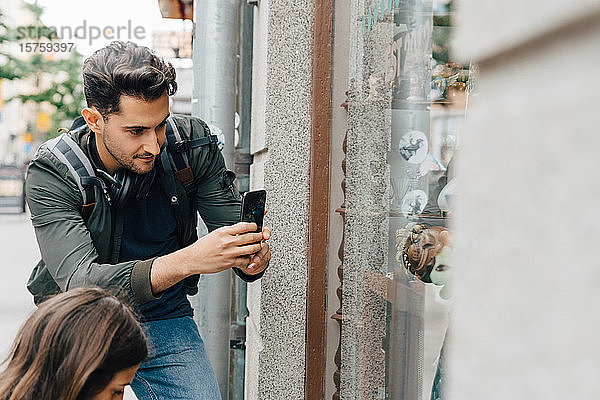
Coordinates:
[132,137]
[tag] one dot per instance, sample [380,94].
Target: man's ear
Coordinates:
[93,118]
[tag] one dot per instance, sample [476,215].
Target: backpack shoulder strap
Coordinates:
[71,155]
[178,147]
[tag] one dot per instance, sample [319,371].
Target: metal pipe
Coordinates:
[214,57]
[238,340]
[215,63]
[243,159]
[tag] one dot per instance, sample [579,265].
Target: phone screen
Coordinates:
[253,207]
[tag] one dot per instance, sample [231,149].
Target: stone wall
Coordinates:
[281,129]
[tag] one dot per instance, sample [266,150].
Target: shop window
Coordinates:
[407,101]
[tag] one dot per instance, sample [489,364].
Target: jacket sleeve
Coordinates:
[65,243]
[217,200]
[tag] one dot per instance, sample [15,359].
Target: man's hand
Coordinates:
[223,248]
[260,261]
[226,247]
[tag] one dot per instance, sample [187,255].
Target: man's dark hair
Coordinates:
[125,69]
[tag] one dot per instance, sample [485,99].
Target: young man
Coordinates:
[139,234]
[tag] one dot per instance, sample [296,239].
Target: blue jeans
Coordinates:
[177,366]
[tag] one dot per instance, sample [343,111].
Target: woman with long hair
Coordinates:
[83,344]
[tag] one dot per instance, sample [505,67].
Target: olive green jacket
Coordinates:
[81,253]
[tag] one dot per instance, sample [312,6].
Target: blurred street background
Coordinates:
[17,303]
[18,254]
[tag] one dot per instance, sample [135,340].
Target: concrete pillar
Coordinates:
[281,132]
[524,324]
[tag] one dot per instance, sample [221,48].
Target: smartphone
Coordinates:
[253,207]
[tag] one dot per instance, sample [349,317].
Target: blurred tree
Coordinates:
[65,94]
[58,81]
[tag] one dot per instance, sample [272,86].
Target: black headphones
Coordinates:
[124,184]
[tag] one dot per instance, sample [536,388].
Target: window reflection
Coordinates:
[407,101]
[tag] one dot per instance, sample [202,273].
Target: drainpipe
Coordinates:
[243,159]
[215,61]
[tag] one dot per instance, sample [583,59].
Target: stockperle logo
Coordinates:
[82,31]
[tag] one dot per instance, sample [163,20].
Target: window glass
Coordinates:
[407,101]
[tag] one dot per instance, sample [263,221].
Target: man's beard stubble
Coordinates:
[124,160]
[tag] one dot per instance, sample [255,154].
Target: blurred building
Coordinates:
[17,120]
[176,47]
[172,44]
